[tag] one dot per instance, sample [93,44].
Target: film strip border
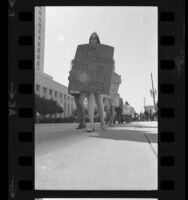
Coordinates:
[171,97]
[21,100]
[21,108]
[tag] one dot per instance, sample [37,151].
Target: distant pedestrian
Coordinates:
[114,105]
[116,80]
[107,106]
[119,110]
[146,115]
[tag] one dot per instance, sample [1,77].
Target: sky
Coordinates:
[132,31]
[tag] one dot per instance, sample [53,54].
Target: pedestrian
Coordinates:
[119,110]
[107,106]
[114,105]
[79,99]
[116,80]
[146,114]
[95,96]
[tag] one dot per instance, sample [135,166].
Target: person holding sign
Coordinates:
[114,97]
[79,99]
[91,75]
[94,39]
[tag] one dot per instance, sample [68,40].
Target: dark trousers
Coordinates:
[119,115]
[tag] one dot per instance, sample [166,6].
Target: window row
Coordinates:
[51,92]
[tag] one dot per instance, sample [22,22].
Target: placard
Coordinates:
[115,82]
[92,69]
[114,86]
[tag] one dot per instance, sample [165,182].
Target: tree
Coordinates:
[46,106]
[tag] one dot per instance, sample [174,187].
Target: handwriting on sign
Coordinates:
[92,69]
[90,54]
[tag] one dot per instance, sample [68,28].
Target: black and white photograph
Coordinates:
[94,199]
[96,98]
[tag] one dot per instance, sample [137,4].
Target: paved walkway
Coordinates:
[123,157]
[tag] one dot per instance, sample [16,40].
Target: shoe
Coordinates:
[103,127]
[79,126]
[84,126]
[90,130]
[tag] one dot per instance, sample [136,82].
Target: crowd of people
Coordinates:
[113,108]
[111,105]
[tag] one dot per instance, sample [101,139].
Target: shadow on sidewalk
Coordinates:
[128,135]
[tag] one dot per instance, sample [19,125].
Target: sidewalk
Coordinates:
[120,158]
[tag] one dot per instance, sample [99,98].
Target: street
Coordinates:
[123,157]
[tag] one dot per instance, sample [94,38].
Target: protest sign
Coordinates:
[114,87]
[115,82]
[92,69]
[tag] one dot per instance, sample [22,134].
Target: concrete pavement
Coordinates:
[123,157]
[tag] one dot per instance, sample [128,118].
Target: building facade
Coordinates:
[39,38]
[45,86]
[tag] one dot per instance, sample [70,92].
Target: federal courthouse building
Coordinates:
[45,86]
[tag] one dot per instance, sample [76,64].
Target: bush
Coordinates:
[46,106]
[56,120]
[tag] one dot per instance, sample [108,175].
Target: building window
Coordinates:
[68,110]
[65,97]
[50,92]
[38,56]
[38,63]
[44,90]
[60,95]
[55,93]
[37,88]
[38,50]
[38,37]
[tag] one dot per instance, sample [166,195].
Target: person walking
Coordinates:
[114,105]
[119,110]
[79,99]
[107,106]
[115,82]
[95,97]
